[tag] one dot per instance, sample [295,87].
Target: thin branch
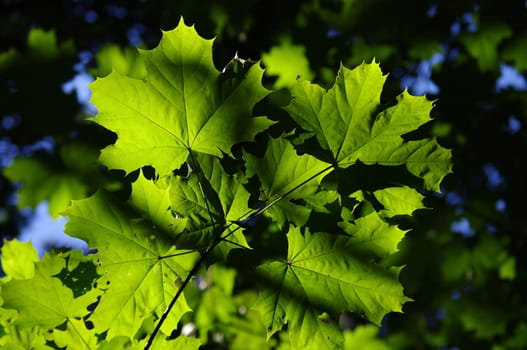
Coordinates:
[278,199]
[180,290]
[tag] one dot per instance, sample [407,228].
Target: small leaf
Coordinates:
[399,201]
[43,181]
[18,259]
[288,62]
[483,44]
[375,237]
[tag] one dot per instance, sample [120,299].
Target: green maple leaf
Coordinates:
[399,201]
[44,177]
[42,181]
[376,237]
[322,274]
[349,121]
[281,171]
[18,259]
[209,199]
[288,62]
[185,104]
[140,267]
[43,300]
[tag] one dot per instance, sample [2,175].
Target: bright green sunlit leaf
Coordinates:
[281,171]
[140,267]
[322,274]
[44,300]
[288,62]
[185,104]
[18,259]
[350,121]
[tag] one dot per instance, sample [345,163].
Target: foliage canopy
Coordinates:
[285,182]
[208,195]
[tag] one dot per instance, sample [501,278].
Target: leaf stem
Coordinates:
[280,197]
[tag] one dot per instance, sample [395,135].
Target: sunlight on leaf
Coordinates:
[184,104]
[350,121]
[140,267]
[18,259]
[322,274]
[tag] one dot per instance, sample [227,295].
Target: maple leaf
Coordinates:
[18,259]
[350,122]
[322,274]
[140,267]
[185,104]
[398,201]
[287,61]
[42,181]
[376,237]
[208,199]
[43,300]
[44,178]
[283,172]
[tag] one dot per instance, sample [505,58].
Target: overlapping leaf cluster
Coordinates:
[254,227]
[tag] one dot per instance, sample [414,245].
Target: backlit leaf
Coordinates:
[288,62]
[281,171]
[350,121]
[399,201]
[140,266]
[322,274]
[43,300]
[184,104]
[42,181]
[375,237]
[18,259]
